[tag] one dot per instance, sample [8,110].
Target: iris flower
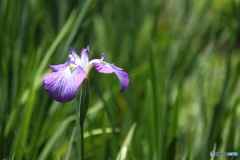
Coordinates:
[63,82]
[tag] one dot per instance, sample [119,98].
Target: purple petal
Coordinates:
[85,53]
[74,55]
[104,67]
[102,57]
[124,80]
[88,47]
[63,84]
[56,68]
[73,50]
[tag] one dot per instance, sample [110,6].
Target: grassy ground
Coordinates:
[184,64]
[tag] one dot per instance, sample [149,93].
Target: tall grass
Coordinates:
[183,60]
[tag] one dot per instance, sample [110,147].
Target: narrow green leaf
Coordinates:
[123,152]
[54,138]
[71,143]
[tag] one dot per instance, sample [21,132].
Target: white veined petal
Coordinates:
[63,84]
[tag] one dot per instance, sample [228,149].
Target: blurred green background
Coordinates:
[183,58]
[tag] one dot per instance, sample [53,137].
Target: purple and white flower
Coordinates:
[63,82]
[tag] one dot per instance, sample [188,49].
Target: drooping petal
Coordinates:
[55,68]
[62,85]
[124,79]
[105,67]
[85,56]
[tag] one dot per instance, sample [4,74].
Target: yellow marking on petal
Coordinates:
[102,62]
[71,68]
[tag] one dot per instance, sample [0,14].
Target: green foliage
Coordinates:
[183,60]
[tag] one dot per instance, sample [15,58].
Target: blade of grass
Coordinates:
[71,143]
[152,119]
[54,138]
[123,152]
[104,138]
[78,21]
[66,29]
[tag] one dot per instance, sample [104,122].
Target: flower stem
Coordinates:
[82,141]
[83,107]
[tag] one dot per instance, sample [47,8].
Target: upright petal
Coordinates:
[62,85]
[74,56]
[105,67]
[85,56]
[74,52]
[56,68]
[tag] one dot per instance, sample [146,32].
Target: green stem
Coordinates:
[83,107]
[82,142]
[79,129]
